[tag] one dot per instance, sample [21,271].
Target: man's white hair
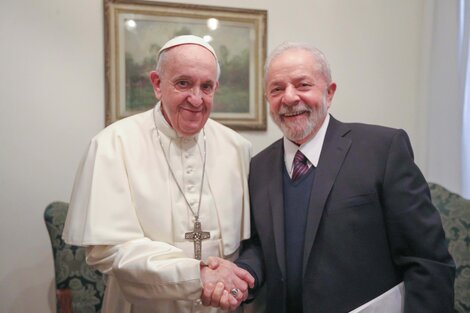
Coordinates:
[320,59]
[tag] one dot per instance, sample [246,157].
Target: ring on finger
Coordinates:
[234,292]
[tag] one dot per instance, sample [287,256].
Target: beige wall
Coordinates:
[52,102]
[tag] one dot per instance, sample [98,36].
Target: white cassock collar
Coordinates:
[163,126]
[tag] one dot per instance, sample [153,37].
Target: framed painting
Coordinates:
[136,30]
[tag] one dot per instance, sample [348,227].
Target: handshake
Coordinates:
[225,285]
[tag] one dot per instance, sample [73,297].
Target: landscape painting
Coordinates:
[136,32]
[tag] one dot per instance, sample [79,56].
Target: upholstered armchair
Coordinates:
[455,213]
[79,289]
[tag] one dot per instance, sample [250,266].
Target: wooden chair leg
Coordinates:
[64,301]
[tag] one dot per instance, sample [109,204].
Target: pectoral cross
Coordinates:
[197,235]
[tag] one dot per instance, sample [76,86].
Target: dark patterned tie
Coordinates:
[300,166]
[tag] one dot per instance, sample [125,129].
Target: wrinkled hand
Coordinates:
[219,277]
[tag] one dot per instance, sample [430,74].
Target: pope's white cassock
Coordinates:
[129,212]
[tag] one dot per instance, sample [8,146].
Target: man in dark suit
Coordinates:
[341,214]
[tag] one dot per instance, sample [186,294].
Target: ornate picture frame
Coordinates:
[135,30]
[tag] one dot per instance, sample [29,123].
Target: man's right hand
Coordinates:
[219,278]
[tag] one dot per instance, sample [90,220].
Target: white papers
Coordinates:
[390,301]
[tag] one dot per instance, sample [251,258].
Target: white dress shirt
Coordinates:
[311,149]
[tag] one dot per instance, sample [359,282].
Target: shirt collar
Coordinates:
[311,149]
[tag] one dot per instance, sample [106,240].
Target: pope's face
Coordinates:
[186,87]
[299,96]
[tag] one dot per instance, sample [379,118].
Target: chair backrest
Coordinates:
[455,214]
[72,274]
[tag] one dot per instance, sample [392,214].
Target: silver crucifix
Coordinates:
[197,235]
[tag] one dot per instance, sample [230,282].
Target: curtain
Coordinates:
[464,66]
[443,94]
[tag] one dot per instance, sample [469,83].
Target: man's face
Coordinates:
[186,87]
[298,95]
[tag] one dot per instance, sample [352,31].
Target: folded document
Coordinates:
[390,301]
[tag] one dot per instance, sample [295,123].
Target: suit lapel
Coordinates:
[276,202]
[334,150]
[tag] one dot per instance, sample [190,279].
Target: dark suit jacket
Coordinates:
[370,225]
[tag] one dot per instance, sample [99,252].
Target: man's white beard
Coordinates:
[296,132]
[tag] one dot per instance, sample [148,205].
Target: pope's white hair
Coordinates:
[163,56]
